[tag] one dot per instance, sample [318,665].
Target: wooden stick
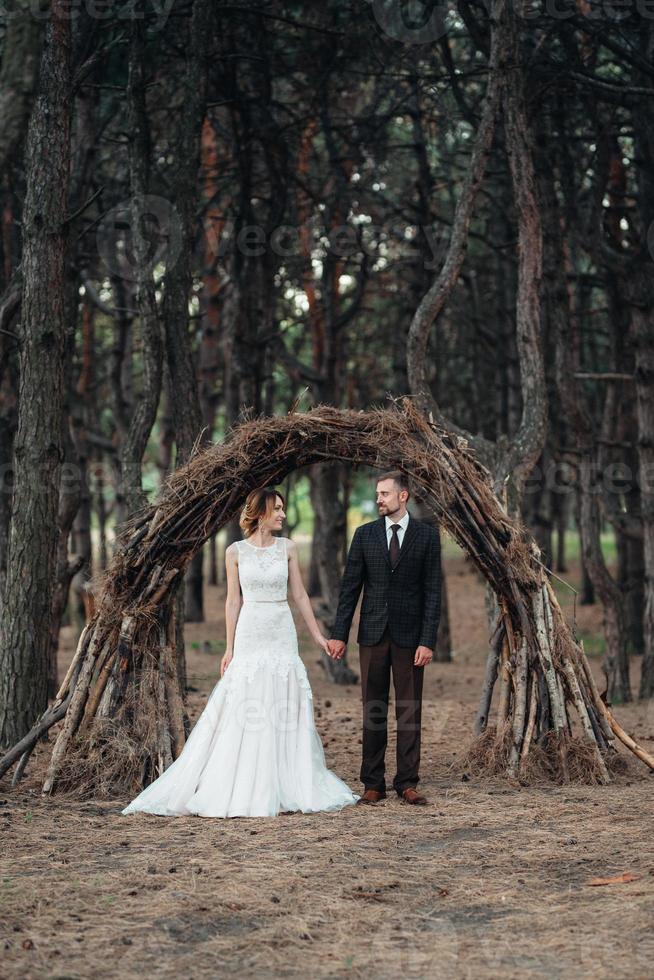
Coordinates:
[544,714]
[508,625]
[98,690]
[76,706]
[483,711]
[154,581]
[81,647]
[583,673]
[533,703]
[520,676]
[559,719]
[626,739]
[50,717]
[20,768]
[597,698]
[557,702]
[505,687]
[155,599]
[585,720]
[124,660]
[165,743]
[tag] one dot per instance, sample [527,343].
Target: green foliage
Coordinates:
[594,643]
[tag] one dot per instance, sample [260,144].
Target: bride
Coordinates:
[254,750]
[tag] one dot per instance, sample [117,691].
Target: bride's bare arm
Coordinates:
[232,604]
[300,597]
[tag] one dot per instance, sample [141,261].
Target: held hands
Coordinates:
[336,649]
[325,645]
[423,656]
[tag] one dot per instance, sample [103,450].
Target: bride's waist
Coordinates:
[247,602]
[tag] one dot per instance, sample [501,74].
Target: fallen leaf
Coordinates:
[615,880]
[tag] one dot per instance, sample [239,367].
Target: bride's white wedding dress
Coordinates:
[254,750]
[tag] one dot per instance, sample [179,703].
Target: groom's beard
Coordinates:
[386,511]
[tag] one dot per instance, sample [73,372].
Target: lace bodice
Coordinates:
[265,638]
[263,572]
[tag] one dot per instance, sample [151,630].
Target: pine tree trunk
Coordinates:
[69,500]
[129,493]
[22,41]
[25,637]
[327,550]
[209,355]
[7,435]
[643,335]
[642,332]
[81,413]
[564,323]
[187,415]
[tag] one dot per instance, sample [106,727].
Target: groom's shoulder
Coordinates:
[368,526]
[362,531]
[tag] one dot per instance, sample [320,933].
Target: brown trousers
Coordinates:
[377,662]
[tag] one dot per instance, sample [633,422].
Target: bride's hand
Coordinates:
[323,644]
[226,661]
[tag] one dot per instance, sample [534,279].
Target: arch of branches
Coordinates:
[121,706]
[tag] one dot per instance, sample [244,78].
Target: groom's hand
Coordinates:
[423,656]
[336,649]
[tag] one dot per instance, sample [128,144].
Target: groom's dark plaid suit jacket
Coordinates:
[407,597]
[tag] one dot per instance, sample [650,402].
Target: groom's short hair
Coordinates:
[399,477]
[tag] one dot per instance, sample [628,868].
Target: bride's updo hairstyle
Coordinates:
[259,506]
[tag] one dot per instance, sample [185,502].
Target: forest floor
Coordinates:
[489,879]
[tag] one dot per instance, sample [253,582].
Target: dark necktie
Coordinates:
[394,548]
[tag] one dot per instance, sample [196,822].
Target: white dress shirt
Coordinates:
[400,534]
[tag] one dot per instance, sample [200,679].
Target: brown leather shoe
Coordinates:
[410,795]
[372,796]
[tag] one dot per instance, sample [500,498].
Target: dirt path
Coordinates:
[487,880]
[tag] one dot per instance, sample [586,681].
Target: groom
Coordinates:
[397,561]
